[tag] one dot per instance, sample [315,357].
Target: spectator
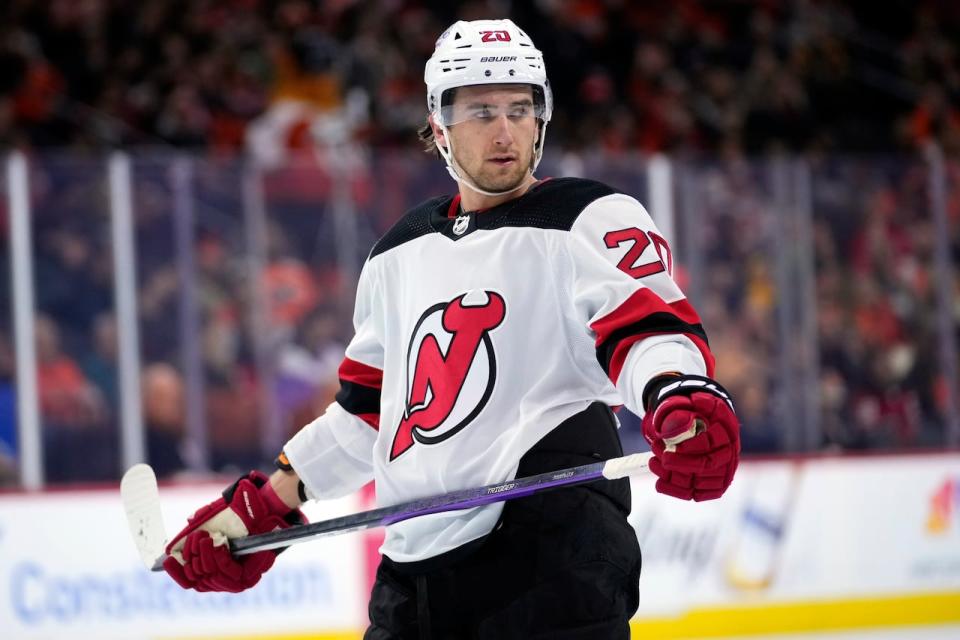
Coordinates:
[100,364]
[163,417]
[307,369]
[77,442]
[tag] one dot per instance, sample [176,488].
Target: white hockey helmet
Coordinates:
[486,52]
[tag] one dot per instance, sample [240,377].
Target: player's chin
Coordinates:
[499,185]
[502,181]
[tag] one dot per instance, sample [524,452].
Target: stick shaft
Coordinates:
[454,501]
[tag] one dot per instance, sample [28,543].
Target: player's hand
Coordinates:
[199,557]
[695,436]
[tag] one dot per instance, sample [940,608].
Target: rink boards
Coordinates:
[802,546]
[793,546]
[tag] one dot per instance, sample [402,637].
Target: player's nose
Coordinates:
[503,131]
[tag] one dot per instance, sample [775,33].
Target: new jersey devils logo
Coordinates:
[451,369]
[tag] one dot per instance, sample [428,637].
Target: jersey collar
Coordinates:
[454,209]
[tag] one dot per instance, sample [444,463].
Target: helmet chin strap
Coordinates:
[454,169]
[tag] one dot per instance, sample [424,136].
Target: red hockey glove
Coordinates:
[199,557]
[694,434]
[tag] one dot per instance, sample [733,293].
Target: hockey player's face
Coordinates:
[495,133]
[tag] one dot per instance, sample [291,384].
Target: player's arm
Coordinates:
[329,457]
[652,345]
[288,486]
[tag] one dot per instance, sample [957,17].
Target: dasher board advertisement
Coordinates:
[68,569]
[841,539]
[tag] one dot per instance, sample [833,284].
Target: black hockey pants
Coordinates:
[561,565]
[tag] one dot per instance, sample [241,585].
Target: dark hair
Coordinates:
[425,134]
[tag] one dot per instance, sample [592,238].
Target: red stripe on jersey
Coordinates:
[454,207]
[359,393]
[372,419]
[359,373]
[640,305]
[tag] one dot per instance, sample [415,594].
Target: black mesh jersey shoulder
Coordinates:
[553,204]
[415,223]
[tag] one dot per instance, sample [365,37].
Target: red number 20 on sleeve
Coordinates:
[638,242]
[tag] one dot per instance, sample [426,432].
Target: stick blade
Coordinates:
[141,503]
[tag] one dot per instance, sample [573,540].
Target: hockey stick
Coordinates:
[141,501]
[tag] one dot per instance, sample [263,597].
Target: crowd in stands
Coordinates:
[662,75]
[710,83]
[863,274]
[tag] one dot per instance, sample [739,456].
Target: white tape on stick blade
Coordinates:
[141,503]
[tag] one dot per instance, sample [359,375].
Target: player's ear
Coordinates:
[437,131]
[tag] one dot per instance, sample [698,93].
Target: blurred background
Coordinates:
[812,183]
[190,188]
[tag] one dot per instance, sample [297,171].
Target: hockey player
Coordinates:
[494,331]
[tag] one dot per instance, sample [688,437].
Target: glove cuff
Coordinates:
[665,386]
[652,389]
[257,478]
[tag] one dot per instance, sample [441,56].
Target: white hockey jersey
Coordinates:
[478,333]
